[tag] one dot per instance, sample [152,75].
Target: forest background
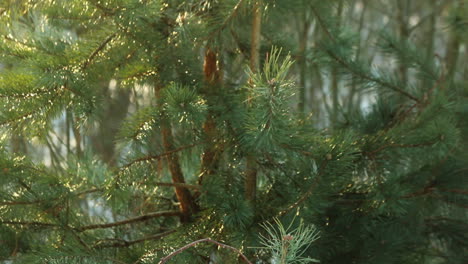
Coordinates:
[130,128]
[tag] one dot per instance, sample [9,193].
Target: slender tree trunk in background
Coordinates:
[335,78]
[429,41]
[251,168]
[53,151]
[18,144]
[115,110]
[213,82]
[316,91]
[186,202]
[431,29]
[403,14]
[255,36]
[78,138]
[357,56]
[68,125]
[453,50]
[303,41]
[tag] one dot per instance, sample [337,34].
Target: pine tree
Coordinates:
[133,129]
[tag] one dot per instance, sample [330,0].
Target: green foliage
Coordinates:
[267,121]
[288,245]
[129,128]
[184,106]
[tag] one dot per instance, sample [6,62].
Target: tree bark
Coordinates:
[251,168]
[187,204]
[303,42]
[402,14]
[335,78]
[213,79]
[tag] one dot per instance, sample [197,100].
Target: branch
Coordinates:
[180,250]
[12,203]
[228,19]
[125,243]
[352,69]
[371,153]
[38,224]
[178,184]
[130,221]
[18,118]
[309,191]
[459,191]
[96,52]
[154,157]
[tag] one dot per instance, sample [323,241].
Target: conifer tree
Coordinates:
[209,157]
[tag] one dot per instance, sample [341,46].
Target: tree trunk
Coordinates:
[251,170]
[187,204]
[212,75]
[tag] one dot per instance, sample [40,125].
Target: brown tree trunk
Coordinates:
[187,204]
[403,14]
[251,170]
[213,79]
[335,78]
[302,62]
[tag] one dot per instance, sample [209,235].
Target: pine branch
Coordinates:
[194,243]
[27,45]
[372,153]
[18,118]
[184,185]
[96,52]
[129,221]
[226,21]
[157,157]
[352,69]
[13,203]
[309,192]
[127,243]
[33,223]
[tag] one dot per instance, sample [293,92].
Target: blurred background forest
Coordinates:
[130,128]
[438,27]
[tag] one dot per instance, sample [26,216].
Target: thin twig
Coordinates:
[371,153]
[96,52]
[131,220]
[309,191]
[125,243]
[178,184]
[228,19]
[155,157]
[180,250]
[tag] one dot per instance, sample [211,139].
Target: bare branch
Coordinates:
[192,244]
[125,243]
[178,184]
[130,221]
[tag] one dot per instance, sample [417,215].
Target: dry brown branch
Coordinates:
[194,243]
[130,221]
